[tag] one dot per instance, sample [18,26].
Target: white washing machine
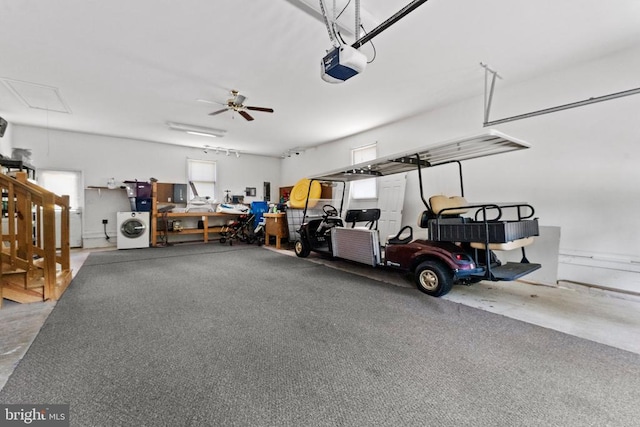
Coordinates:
[133,230]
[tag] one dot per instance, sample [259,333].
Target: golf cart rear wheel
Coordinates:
[433,279]
[301,249]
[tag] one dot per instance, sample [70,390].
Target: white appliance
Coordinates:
[133,230]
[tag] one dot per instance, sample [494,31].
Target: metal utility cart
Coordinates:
[459,249]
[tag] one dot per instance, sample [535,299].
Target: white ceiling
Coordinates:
[125,68]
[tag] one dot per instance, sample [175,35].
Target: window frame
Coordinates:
[365,189]
[204,183]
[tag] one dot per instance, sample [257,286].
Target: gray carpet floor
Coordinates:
[212,335]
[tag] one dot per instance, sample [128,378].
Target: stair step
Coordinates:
[6,270]
[39,263]
[6,266]
[24,296]
[17,279]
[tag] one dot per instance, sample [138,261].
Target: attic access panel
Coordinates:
[488,143]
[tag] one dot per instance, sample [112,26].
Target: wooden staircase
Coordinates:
[32,268]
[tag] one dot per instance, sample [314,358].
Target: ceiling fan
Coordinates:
[235,103]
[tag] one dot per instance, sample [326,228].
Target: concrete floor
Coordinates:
[602,316]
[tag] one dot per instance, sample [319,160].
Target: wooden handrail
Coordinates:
[30,242]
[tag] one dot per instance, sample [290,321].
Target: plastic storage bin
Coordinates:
[143,205]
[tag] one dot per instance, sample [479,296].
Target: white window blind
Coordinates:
[366,188]
[202,173]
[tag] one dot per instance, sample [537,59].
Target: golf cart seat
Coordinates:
[452,206]
[492,230]
[368,216]
[445,209]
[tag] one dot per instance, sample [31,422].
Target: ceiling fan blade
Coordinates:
[218,112]
[263,109]
[245,115]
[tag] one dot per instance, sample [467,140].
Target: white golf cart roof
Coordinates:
[472,147]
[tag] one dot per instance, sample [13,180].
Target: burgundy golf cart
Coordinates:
[462,237]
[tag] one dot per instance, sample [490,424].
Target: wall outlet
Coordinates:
[105,221]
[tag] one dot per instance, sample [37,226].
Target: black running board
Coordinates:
[513,270]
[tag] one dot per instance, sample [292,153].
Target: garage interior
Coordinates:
[116,93]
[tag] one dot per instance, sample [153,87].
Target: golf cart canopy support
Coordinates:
[486,144]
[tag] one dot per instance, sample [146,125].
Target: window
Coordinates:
[366,188]
[62,183]
[202,173]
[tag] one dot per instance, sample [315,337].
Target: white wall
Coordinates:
[581,173]
[102,157]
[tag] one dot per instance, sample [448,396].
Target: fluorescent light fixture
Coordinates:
[210,135]
[196,130]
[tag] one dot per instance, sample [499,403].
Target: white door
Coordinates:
[390,201]
[66,183]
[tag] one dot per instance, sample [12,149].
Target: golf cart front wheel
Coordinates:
[433,279]
[302,249]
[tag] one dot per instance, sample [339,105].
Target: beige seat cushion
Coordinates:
[514,244]
[440,202]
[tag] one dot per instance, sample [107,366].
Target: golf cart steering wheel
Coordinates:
[329,211]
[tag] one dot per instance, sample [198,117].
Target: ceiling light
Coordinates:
[197,130]
[210,135]
[227,151]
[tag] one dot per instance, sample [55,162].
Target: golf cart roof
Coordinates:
[472,147]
